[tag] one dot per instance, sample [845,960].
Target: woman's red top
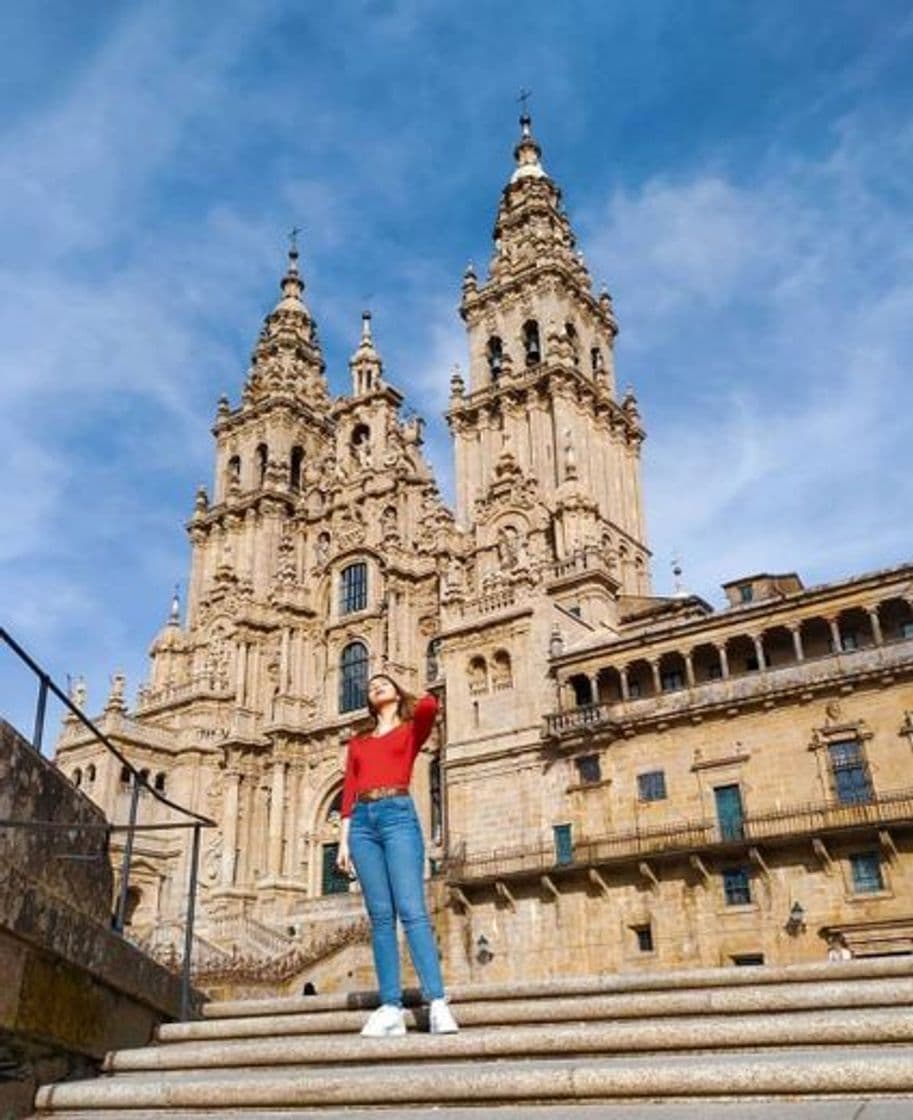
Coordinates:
[386,760]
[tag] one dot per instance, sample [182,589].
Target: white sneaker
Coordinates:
[441,1018]
[386,1022]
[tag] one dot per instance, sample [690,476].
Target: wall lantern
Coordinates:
[795,923]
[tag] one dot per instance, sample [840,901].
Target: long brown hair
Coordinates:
[405,705]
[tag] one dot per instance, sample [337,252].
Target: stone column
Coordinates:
[835,634]
[758,641]
[689,669]
[276,820]
[285,661]
[657,683]
[796,632]
[594,687]
[875,621]
[230,825]
[241,675]
[623,679]
[724,660]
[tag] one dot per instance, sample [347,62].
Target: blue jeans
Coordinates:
[388,851]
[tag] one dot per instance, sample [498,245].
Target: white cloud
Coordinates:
[768,329]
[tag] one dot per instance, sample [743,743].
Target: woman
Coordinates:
[382,837]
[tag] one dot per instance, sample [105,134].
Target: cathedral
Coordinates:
[617,780]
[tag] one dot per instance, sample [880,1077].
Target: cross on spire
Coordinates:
[525,95]
[293,239]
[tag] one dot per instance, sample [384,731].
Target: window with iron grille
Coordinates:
[736,887]
[353,588]
[851,773]
[867,876]
[652,786]
[353,677]
[588,769]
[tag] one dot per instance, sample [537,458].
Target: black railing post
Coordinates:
[120,917]
[188,928]
[40,709]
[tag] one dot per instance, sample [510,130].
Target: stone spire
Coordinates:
[287,360]
[365,364]
[531,227]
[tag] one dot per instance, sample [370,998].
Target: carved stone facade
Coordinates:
[606,759]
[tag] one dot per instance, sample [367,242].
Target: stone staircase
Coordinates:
[839,1031]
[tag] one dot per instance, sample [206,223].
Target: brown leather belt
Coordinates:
[379,792]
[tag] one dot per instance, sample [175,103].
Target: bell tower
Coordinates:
[542,378]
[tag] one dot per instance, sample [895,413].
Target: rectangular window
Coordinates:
[736,887]
[746,594]
[672,680]
[851,774]
[564,845]
[644,935]
[652,786]
[867,877]
[353,588]
[588,769]
[748,960]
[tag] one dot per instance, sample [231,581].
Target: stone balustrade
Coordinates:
[767,682]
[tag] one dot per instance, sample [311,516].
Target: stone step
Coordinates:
[672,980]
[842,1108]
[822,1071]
[742,1000]
[708,1033]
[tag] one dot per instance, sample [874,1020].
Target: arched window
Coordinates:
[353,677]
[495,357]
[531,346]
[571,331]
[295,468]
[90,773]
[262,460]
[234,471]
[125,775]
[478,676]
[134,898]
[435,783]
[501,671]
[160,781]
[433,660]
[353,588]
[596,359]
[77,777]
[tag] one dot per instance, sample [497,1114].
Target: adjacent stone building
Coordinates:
[618,779]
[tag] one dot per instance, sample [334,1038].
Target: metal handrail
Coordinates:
[138,783]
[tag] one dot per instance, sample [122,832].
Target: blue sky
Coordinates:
[740,175]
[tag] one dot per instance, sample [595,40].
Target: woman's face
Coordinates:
[381,692]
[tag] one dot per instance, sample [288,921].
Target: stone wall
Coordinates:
[70,988]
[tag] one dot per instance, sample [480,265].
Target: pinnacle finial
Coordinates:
[527,153]
[174,615]
[366,335]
